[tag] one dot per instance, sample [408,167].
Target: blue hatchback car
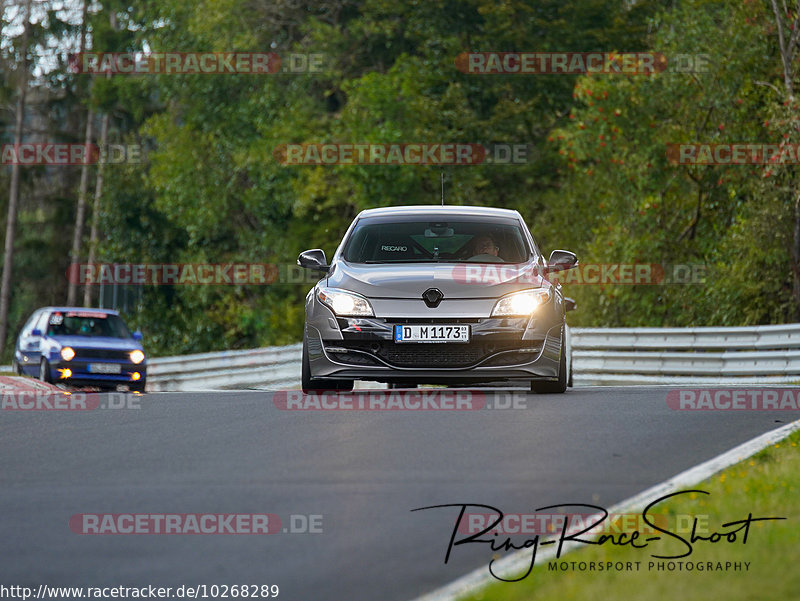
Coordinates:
[81,347]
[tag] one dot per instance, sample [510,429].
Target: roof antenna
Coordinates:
[442,175]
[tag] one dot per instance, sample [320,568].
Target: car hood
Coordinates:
[98,342]
[454,280]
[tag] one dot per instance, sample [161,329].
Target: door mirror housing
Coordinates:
[569,304]
[561,260]
[36,332]
[137,335]
[313,259]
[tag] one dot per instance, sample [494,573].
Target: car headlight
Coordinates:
[344,303]
[521,303]
[67,354]
[136,356]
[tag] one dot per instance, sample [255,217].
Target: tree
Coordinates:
[13,193]
[787,26]
[80,215]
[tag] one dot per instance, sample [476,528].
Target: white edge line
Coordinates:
[519,561]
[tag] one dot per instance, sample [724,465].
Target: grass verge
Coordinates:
[766,484]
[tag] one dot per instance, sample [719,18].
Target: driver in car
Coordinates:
[485,250]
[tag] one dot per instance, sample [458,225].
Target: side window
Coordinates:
[29,325]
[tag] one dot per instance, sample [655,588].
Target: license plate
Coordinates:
[105,368]
[432,333]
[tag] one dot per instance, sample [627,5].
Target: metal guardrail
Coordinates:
[275,366]
[617,356]
[601,356]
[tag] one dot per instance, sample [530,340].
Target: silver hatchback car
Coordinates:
[439,295]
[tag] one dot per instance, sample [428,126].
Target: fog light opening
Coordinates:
[65,373]
[136,375]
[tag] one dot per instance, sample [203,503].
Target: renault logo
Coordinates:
[432,297]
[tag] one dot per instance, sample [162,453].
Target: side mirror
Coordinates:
[569,304]
[137,335]
[313,259]
[36,332]
[561,260]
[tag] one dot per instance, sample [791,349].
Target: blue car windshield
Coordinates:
[88,324]
[423,241]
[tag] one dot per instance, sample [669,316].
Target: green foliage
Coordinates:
[625,202]
[599,181]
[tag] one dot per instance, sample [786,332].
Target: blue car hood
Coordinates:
[98,342]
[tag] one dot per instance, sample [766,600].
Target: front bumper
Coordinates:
[500,349]
[81,374]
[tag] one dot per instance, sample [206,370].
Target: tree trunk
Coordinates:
[98,193]
[2,12]
[13,193]
[80,216]
[98,188]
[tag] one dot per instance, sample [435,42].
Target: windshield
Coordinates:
[424,241]
[74,323]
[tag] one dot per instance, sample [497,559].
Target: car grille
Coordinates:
[86,353]
[433,355]
[417,355]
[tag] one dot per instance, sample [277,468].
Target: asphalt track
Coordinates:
[362,471]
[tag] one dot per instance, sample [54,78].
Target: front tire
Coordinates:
[44,371]
[312,385]
[15,368]
[560,385]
